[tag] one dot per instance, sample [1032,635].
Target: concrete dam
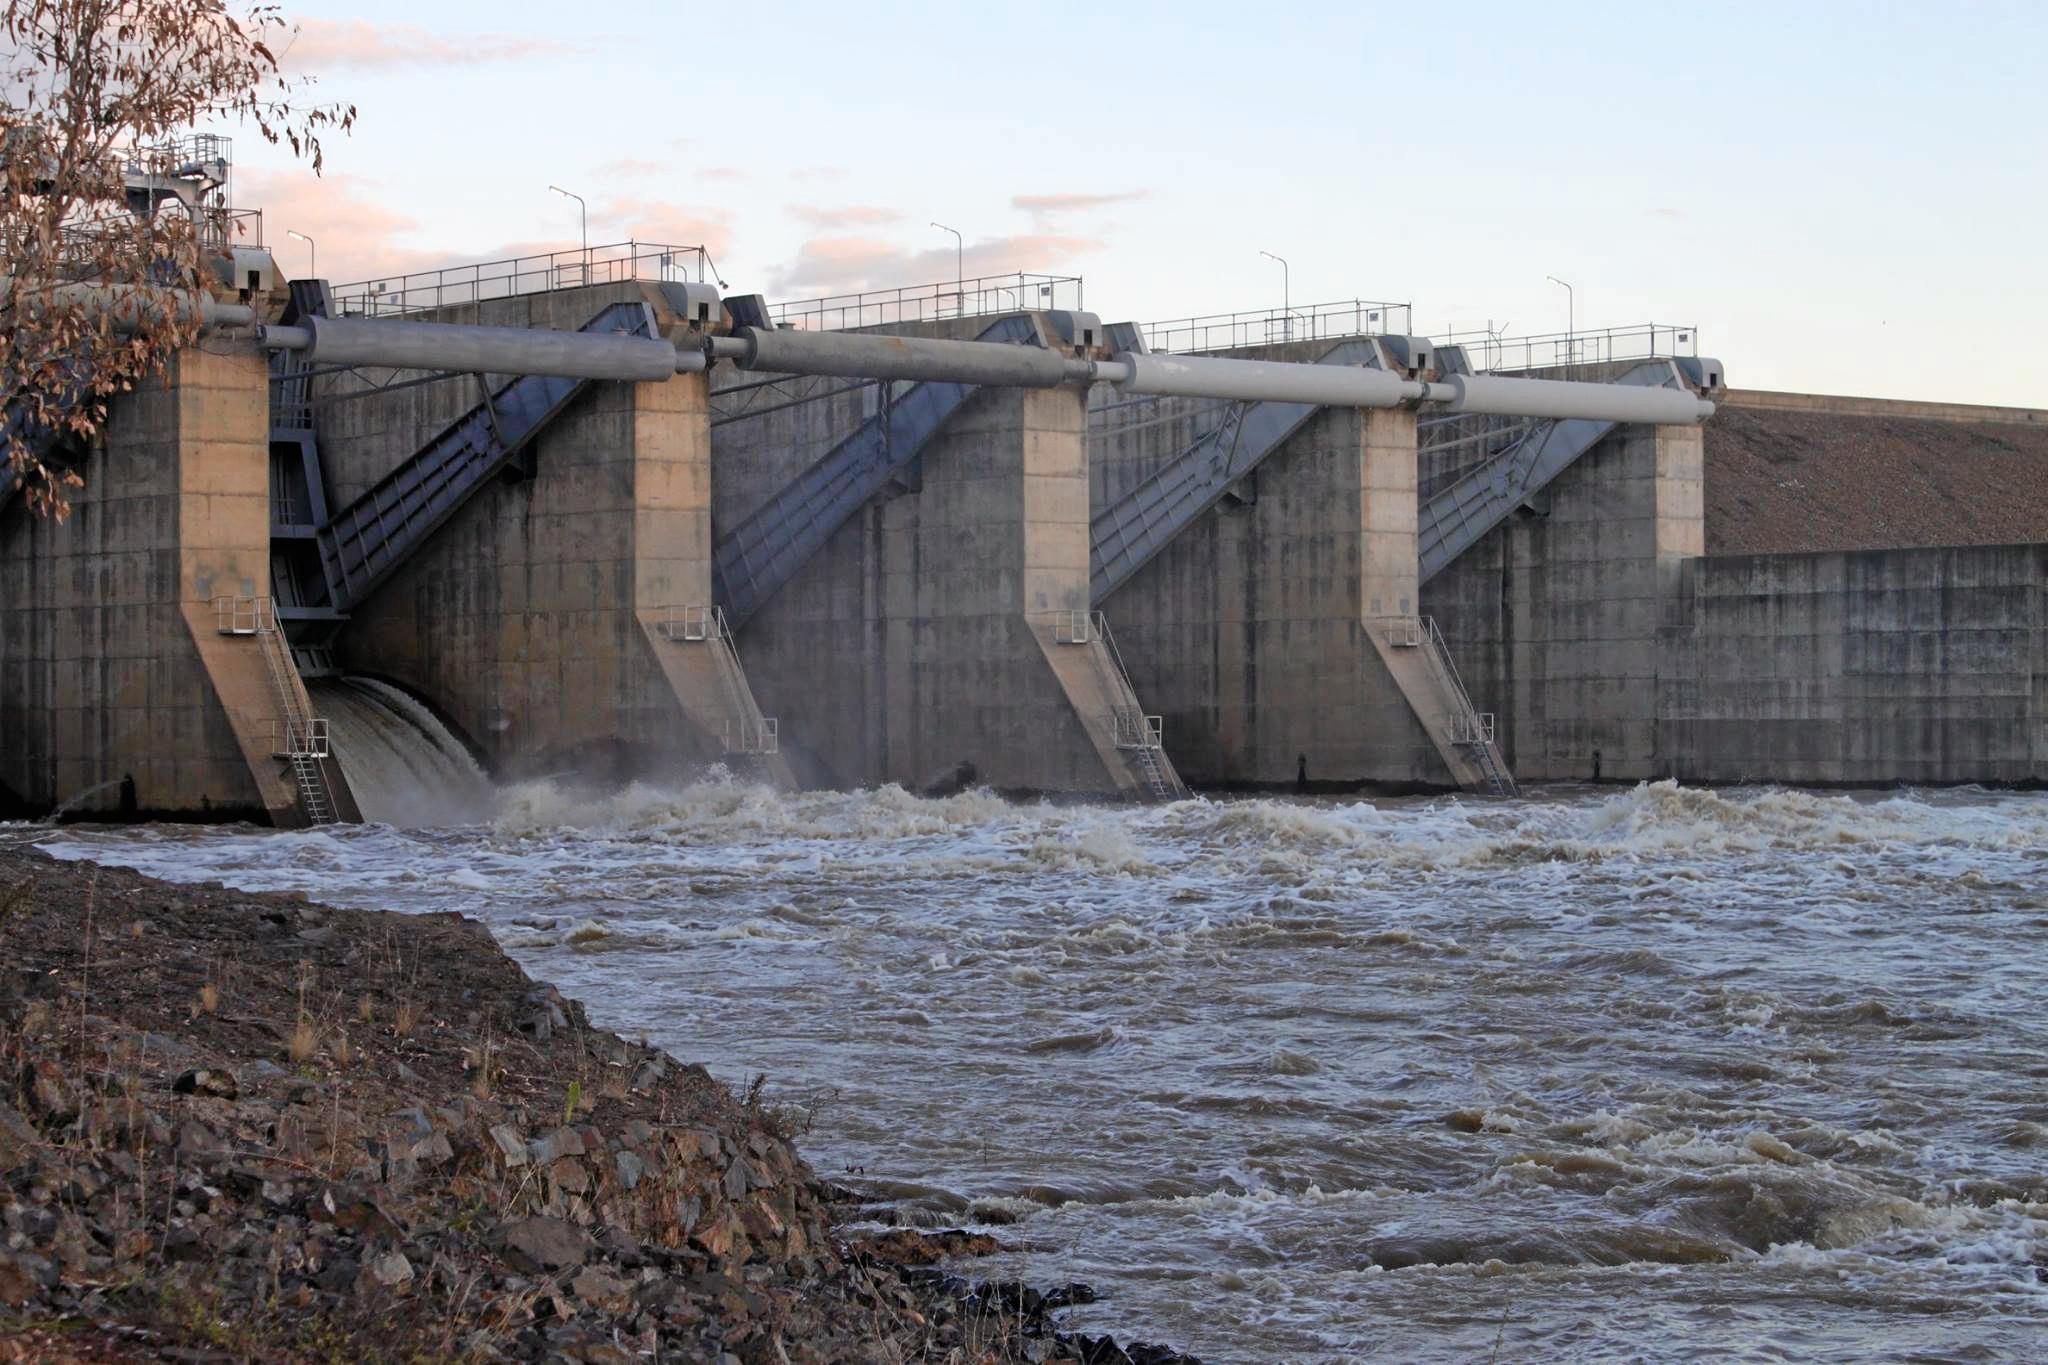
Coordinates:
[588,515]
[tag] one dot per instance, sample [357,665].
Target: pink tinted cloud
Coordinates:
[328,44]
[844,265]
[1047,204]
[849,215]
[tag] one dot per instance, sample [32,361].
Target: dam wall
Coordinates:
[117,688]
[923,643]
[533,619]
[1862,668]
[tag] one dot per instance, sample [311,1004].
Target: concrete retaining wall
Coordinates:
[1867,667]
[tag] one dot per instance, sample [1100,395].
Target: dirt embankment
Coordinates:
[244,1127]
[1782,482]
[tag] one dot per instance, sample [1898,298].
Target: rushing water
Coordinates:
[1649,1073]
[403,766]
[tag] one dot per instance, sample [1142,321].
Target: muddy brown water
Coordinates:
[1617,1074]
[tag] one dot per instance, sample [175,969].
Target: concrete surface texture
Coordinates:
[1869,667]
[532,618]
[111,663]
[919,645]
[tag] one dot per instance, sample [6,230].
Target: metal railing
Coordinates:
[299,739]
[1265,327]
[745,730]
[1486,350]
[1072,627]
[612,263]
[978,297]
[1136,730]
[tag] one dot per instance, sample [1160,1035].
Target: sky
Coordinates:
[1842,198]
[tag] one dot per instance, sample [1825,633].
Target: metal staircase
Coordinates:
[1124,536]
[745,730]
[1138,737]
[297,735]
[751,562]
[367,540]
[1453,520]
[1415,654]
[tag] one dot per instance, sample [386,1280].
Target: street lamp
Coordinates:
[582,215]
[959,265]
[312,254]
[1571,325]
[1286,292]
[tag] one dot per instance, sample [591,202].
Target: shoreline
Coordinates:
[259,1128]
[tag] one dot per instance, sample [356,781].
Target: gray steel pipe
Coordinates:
[1350,386]
[132,304]
[865,356]
[483,350]
[1511,397]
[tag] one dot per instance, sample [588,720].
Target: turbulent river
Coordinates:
[1646,1073]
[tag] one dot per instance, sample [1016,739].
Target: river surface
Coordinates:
[1618,1074]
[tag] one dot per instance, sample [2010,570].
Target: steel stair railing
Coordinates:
[1453,520]
[751,562]
[297,736]
[1470,729]
[370,538]
[706,625]
[1142,735]
[1124,537]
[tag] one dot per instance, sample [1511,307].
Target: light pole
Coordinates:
[1286,292]
[1571,324]
[582,218]
[312,253]
[959,265]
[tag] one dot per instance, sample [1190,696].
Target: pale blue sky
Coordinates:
[1844,198]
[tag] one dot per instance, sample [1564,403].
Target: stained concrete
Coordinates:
[111,662]
[919,645]
[532,618]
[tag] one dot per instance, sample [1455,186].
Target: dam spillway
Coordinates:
[1085,573]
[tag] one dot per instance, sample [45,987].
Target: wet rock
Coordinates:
[201,1081]
[537,1245]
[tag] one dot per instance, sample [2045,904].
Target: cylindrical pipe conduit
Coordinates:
[1567,398]
[483,350]
[1349,386]
[891,357]
[132,305]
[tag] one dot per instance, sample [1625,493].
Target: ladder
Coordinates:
[758,734]
[1471,730]
[1143,736]
[297,736]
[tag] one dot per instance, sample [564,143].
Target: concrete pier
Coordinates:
[535,618]
[113,669]
[924,644]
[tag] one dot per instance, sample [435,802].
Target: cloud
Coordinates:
[722,173]
[634,168]
[627,218]
[327,44]
[848,265]
[1071,203]
[849,215]
[1674,215]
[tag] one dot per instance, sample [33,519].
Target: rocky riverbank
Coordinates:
[245,1127]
